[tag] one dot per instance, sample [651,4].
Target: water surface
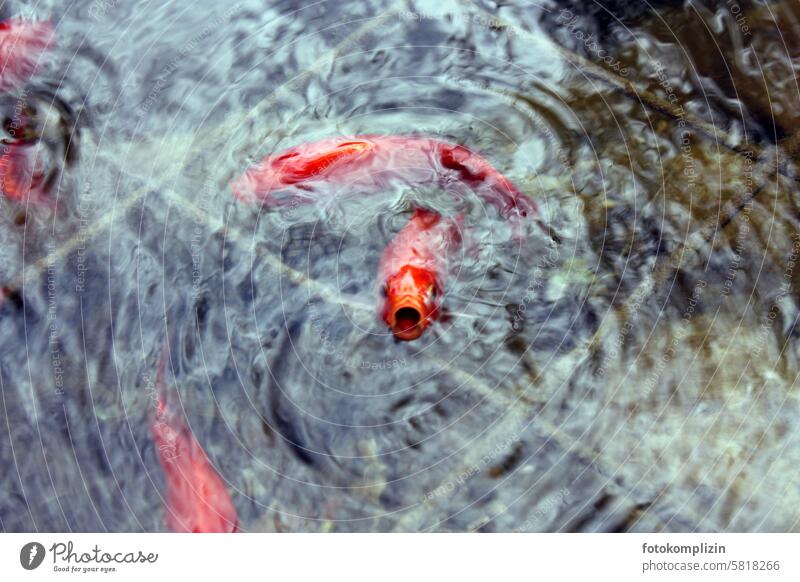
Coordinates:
[632,367]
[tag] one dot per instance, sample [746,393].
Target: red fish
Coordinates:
[197,499]
[22,45]
[412,273]
[413,267]
[369,160]
[22,175]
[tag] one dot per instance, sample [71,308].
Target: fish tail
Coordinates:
[197,499]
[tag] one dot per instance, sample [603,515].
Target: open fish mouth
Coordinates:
[408,319]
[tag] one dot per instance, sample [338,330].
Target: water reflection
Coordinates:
[631,367]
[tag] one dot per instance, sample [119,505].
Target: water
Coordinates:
[634,368]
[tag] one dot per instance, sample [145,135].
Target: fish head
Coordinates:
[411,301]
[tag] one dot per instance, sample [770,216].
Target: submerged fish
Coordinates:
[369,160]
[22,172]
[197,498]
[22,45]
[413,267]
[412,272]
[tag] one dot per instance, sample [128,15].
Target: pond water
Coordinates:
[633,366]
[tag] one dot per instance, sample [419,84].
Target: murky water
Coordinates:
[634,368]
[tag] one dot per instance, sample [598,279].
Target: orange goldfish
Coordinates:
[197,498]
[369,159]
[413,267]
[412,273]
[22,44]
[22,176]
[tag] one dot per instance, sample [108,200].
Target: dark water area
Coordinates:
[631,367]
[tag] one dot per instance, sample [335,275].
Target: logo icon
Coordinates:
[31,555]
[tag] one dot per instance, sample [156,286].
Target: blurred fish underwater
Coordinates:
[629,364]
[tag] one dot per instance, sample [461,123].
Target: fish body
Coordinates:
[22,173]
[197,499]
[414,265]
[372,160]
[412,272]
[22,45]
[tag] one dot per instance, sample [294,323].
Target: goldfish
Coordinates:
[197,500]
[22,45]
[412,272]
[366,160]
[22,175]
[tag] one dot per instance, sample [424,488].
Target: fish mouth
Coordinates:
[407,320]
